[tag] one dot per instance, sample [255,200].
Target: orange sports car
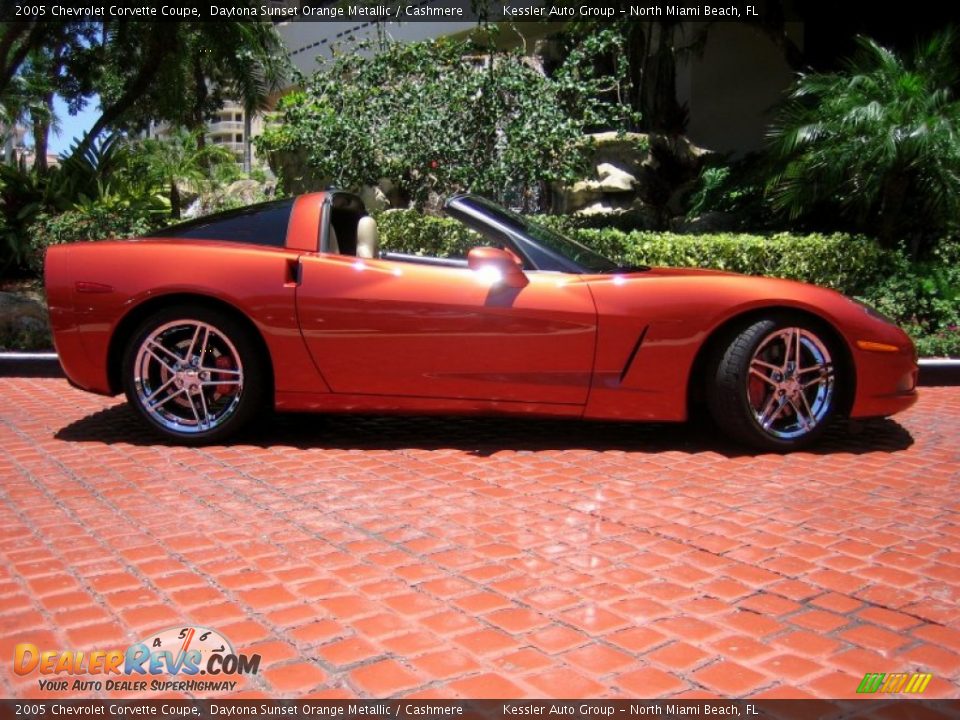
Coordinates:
[293,304]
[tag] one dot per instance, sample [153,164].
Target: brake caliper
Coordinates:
[223,363]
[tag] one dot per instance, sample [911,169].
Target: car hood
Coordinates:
[707,298]
[713,293]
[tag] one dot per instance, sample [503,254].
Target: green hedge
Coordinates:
[408,231]
[844,262]
[923,297]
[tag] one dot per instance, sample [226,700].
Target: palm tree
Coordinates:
[245,62]
[877,144]
[181,160]
[31,100]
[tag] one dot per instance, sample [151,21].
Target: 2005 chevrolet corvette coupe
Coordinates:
[292,303]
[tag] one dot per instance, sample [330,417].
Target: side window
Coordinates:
[263,224]
[430,242]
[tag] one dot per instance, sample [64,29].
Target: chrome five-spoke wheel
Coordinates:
[790,388]
[774,383]
[188,372]
[188,376]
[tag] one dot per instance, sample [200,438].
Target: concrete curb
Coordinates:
[939,372]
[45,364]
[30,364]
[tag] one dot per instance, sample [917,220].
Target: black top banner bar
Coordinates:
[402,10]
[876,707]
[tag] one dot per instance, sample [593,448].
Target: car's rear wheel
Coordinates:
[194,374]
[775,384]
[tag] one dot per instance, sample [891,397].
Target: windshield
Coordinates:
[550,249]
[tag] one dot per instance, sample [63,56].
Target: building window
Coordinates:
[238,138]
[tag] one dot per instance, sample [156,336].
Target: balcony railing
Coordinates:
[225,126]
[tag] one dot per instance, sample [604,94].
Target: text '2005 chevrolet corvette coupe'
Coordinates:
[292,303]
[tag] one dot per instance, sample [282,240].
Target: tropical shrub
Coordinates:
[736,189]
[80,179]
[441,116]
[107,218]
[874,146]
[924,297]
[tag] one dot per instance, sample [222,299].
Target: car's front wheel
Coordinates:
[194,374]
[775,384]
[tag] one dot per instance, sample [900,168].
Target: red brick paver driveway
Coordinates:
[478,557]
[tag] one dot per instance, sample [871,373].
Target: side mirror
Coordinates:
[501,265]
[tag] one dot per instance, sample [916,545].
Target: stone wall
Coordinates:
[645,176]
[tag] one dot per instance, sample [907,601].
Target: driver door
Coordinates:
[397,328]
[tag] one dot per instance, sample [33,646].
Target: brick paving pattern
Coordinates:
[487,557]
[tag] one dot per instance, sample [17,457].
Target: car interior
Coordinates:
[354,233]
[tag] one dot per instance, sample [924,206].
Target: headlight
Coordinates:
[873,312]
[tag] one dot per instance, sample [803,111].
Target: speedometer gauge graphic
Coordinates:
[178,641]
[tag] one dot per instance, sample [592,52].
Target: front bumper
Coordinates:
[886,382]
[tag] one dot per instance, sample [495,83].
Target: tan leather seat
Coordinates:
[368,238]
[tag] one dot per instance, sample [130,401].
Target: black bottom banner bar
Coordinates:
[875,707]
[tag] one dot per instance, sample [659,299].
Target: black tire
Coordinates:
[777,413]
[228,385]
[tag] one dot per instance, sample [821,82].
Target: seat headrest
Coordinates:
[368,238]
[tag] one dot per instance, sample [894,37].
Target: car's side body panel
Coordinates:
[257,281]
[332,402]
[652,325]
[391,328]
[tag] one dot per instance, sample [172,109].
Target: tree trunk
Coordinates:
[662,112]
[35,32]
[160,46]
[889,218]
[247,147]
[174,200]
[41,130]
[197,123]
[41,134]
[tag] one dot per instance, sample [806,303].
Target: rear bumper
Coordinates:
[65,322]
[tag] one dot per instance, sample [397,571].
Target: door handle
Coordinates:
[294,272]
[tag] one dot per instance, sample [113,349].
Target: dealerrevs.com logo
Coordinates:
[183,653]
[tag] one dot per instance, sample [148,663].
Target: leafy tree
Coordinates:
[184,70]
[440,116]
[57,67]
[649,53]
[142,71]
[203,64]
[17,40]
[875,145]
